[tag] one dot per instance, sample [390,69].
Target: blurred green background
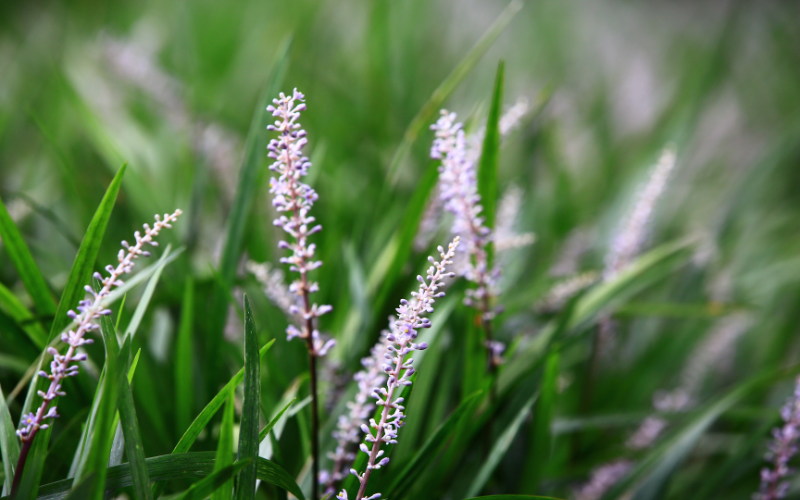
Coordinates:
[171,87]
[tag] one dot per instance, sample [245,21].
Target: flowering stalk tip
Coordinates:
[85,321]
[398,368]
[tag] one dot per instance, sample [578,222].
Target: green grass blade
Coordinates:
[82,490]
[200,422]
[249,174]
[539,452]
[144,302]
[215,483]
[248,429]
[499,449]
[9,443]
[225,450]
[21,257]
[173,466]
[434,103]
[23,317]
[81,271]
[512,497]
[133,441]
[277,475]
[652,475]
[183,360]
[490,154]
[432,446]
[79,276]
[263,433]
[103,435]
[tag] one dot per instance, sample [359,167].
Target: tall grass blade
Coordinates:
[133,441]
[17,311]
[263,433]
[224,457]
[499,449]
[248,429]
[183,360]
[490,154]
[434,103]
[539,452]
[177,466]
[200,422]
[9,443]
[216,483]
[249,173]
[79,276]
[432,446]
[21,257]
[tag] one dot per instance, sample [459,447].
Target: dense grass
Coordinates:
[177,92]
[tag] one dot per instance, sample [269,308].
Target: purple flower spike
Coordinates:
[90,310]
[782,449]
[399,369]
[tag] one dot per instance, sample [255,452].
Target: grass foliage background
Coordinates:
[176,90]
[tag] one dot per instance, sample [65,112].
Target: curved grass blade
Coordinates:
[206,414]
[214,483]
[177,466]
[248,428]
[499,449]
[183,360]
[9,445]
[224,457]
[79,275]
[643,272]
[652,475]
[243,202]
[133,441]
[429,109]
[512,497]
[541,437]
[263,433]
[17,311]
[144,302]
[21,257]
[433,445]
[490,154]
[103,436]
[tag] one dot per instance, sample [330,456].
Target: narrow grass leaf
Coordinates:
[249,174]
[9,444]
[103,436]
[177,466]
[434,103]
[144,302]
[216,483]
[512,497]
[200,422]
[490,154]
[248,429]
[27,322]
[183,360]
[651,477]
[539,451]
[499,449]
[432,446]
[21,257]
[224,457]
[263,433]
[133,441]
[79,276]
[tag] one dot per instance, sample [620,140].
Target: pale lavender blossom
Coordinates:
[347,433]
[89,312]
[647,433]
[275,288]
[505,237]
[459,191]
[630,238]
[781,450]
[296,199]
[602,479]
[564,290]
[399,368]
